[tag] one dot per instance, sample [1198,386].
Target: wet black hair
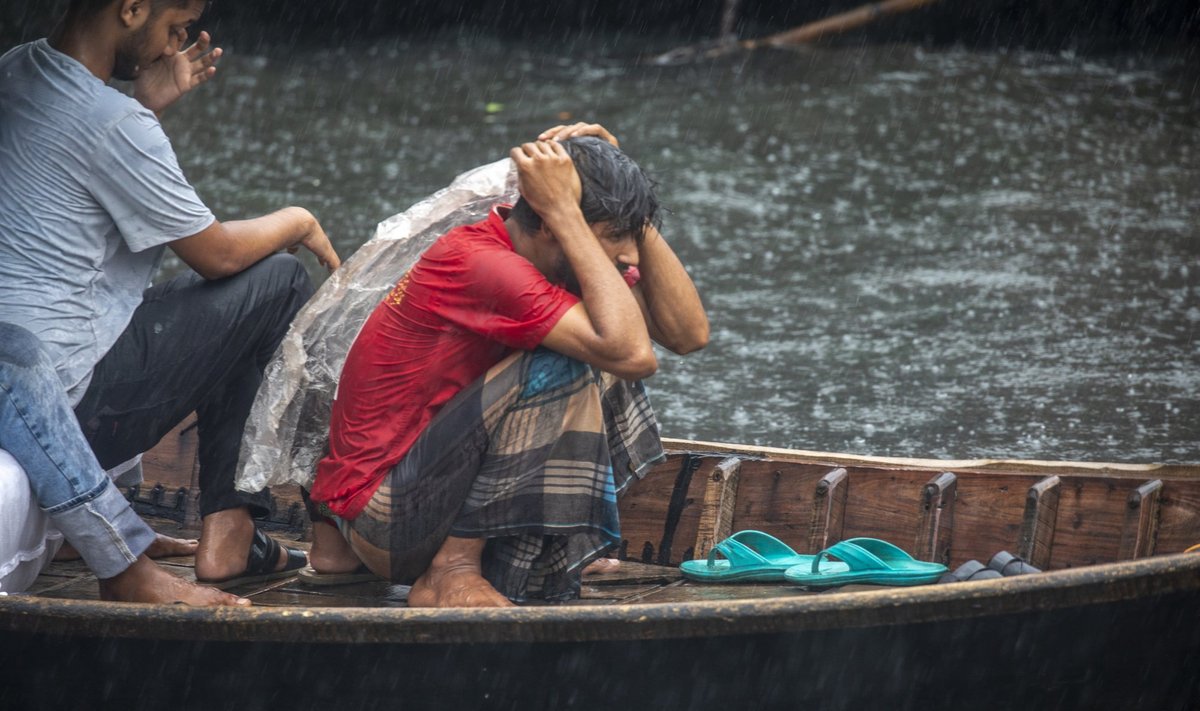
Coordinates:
[87,8]
[615,190]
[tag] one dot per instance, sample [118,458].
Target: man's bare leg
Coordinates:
[602,565]
[455,579]
[162,547]
[168,547]
[224,541]
[146,581]
[330,553]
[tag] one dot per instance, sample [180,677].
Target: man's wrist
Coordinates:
[562,220]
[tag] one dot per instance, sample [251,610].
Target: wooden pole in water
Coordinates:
[837,24]
[857,17]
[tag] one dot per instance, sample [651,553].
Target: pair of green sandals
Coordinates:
[760,557]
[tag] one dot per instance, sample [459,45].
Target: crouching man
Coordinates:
[491,410]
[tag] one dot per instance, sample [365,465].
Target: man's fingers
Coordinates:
[328,257]
[563,132]
[538,148]
[550,133]
[199,47]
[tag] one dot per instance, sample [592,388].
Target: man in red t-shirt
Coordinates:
[491,409]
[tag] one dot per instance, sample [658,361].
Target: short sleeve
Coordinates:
[503,297]
[137,179]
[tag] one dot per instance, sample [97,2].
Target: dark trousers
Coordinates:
[194,345]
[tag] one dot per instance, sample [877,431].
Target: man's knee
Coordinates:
[19,347]
[279,284]
[285,272]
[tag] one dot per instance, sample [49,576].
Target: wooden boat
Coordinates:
[1112,623]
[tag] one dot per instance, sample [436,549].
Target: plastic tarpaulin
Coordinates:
[288,429]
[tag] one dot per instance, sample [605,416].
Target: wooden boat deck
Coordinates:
[1056,515]
[631,583]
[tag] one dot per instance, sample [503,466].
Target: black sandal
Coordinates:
[260,563]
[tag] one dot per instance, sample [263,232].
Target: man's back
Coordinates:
[89,191]
[465,304]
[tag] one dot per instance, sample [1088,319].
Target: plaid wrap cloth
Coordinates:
[532,457]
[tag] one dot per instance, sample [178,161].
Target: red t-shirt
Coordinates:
[466,304]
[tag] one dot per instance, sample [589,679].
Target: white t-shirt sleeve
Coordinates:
[137,179]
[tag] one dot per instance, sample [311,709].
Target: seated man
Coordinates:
[94,367]
[490,410]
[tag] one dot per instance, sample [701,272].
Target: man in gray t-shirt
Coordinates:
[90,194]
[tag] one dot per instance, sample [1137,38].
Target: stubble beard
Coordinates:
[564,276]
[127,65]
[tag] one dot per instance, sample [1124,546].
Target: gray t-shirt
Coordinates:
[90,191]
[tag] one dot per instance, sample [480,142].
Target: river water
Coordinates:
[908,252]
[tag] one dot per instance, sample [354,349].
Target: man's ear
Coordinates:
[544,235]
[134,13]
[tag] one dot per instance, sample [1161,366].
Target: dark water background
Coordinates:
[904,251]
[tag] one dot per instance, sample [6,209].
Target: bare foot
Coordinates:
[601,566]
[330,553]
[162,547]
[454,579]
[455,587]
[145,581]
[168,547]
[224,542]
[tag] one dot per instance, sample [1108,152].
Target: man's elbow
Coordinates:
[214,269]
[689,342]
[637,366]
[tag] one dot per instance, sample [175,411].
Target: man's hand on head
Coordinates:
[547,179]
[565,131]
[176,73]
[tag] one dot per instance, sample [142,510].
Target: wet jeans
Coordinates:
[192,345]
[38,428]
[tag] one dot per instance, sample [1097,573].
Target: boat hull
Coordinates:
[1118,636]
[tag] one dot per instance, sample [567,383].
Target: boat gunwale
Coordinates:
[993,466]
[1087,585]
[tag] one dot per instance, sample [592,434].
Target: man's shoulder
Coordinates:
[467,240]
[55,87]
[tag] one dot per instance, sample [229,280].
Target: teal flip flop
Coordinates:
[749,556]
[867,560]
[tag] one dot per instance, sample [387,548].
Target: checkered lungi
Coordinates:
[532,457]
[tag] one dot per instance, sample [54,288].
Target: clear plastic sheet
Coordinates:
[288,429]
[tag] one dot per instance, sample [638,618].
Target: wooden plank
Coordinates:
[777,498]
[632,572]
[828,510]
[716,516]
[1041,517]
[675,594]
[936,528]
[1140,534]
[612,594]
[1166,472]
[660,513]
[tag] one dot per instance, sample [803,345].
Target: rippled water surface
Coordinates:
[903,252]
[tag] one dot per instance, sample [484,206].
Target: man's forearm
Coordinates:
[613,311]
[225,249]
[674,314]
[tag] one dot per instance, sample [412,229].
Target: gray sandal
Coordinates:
[1006,563]
[971,570]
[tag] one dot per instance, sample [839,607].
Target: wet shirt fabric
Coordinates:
[90,191]
[466,304]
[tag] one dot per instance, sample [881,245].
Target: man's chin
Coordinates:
[124,72]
